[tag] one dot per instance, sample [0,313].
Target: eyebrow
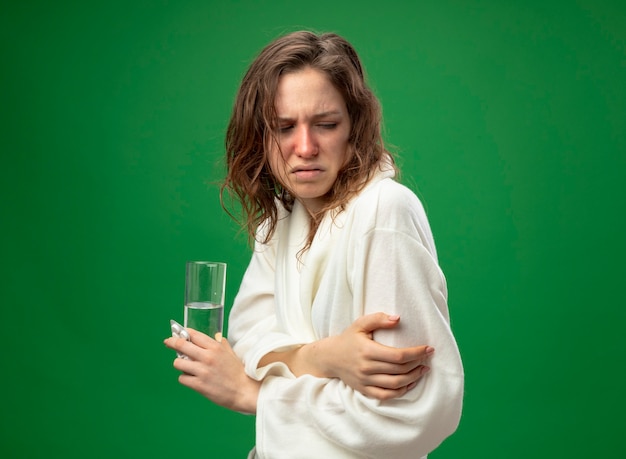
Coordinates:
[317,116]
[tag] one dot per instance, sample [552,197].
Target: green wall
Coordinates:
[509,120]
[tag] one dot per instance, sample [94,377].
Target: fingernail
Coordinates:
[425,370]
[412,385]
[430,350]
[394,317]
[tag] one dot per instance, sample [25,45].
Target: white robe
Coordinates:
[377,255]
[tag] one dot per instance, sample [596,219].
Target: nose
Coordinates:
[305,144]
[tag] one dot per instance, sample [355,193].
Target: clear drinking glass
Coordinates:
[205,284]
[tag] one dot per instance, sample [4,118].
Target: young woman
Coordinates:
[340,330]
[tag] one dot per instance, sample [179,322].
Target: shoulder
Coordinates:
[388,198]
[387,205]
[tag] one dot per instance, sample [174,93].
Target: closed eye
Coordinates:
[327,125]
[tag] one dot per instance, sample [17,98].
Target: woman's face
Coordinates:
[312,134]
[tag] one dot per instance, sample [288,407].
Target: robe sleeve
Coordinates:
[253,327]
[395,270]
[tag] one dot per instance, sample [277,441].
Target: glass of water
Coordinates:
[205,284]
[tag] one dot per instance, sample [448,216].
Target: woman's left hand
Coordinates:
[214,370]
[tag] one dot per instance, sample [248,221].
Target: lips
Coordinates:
[306,172]
[306,169]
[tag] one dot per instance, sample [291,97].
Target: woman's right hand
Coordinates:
[214,370]
[375,370]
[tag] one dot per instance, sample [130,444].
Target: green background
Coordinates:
[509,120]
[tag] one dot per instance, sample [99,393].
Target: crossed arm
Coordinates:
[375,370]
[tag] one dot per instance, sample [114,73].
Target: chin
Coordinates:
[309,194]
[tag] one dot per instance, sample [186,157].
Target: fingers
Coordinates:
[393,382]
[371,322]
[202,339]
[396,356]
[387,368]
[198,341]
[175,344]
[382,394]
[186,366]
[387,388]
[183,347]
[200,348]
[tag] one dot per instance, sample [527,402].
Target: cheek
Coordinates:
[277,164]
[348,154]
[347,146]
[277,150]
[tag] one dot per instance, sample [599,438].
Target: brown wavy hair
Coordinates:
[249,179]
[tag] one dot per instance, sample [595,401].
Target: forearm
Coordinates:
[330,357]
[307,359]
[369,367]
[248,397]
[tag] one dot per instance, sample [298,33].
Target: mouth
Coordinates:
[306,172]
[311,168]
